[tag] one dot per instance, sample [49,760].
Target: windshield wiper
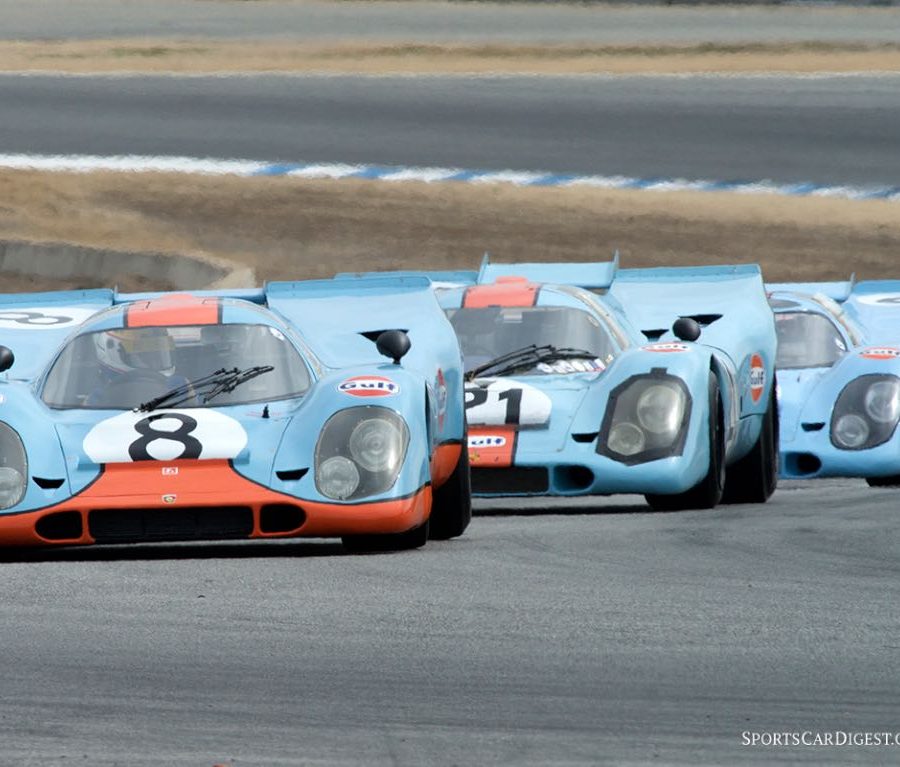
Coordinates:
[526,357]
[218,382]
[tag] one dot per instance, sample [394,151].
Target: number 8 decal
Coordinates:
[169,435]
[138,450]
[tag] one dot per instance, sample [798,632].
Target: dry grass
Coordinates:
[294,228]
[211,56]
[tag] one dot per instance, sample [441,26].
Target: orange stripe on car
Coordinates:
[492,446]
[175,309]
[193,484]
[506,291]
[443,462]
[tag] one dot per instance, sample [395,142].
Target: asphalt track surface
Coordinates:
[832,130]
[439,22]
[592,633]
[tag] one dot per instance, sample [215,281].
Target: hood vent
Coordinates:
[291,475]
[47,483]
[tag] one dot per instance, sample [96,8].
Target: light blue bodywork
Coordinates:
[867,317]
[324,320]
[640,305]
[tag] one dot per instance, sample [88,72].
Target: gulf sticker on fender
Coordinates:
[667,348]
[369,386]
[497,402]
[880,353]
[492,447]
[757,377]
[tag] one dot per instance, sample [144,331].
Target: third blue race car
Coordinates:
[839,379]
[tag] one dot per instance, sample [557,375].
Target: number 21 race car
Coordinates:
[587,379]
[303,409]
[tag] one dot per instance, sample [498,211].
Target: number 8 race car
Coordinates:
[229,415]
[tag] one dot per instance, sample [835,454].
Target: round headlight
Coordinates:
[660,409]
[882,401]
[626,439]
[376,444]
[338,477]
[12,487]
[851,430]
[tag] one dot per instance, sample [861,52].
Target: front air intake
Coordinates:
[60,526]
[181,524]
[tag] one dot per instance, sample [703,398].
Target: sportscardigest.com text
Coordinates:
[828,738]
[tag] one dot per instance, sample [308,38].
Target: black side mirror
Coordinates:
[394,344]
[6,358]
[686,329]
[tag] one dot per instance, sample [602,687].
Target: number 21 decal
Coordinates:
[501,403]
[169,435]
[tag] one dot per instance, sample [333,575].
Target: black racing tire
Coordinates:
[892,481]
[451,503]
[371,544]
[707,493]
[754,477]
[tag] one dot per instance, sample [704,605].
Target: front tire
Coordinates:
[753,478]
[708,492]
[892,481]
[451,503]
[368,544]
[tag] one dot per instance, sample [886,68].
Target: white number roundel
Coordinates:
[496,402]
[165,435]
[44,317]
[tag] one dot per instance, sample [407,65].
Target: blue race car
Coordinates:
[247,414]
[584,379]
[839,379]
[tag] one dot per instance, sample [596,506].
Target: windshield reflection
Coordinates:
[120,368]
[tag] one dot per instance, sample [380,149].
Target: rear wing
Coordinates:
[340,319]
[34,325]
[875,305]
[837,291]
[592,275]
[729,303]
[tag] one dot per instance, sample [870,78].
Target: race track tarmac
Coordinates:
[590,632]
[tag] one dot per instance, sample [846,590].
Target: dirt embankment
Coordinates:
[294,228]
[203,56]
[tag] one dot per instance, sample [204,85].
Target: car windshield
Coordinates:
[487,333]
[121,368]
[807,340]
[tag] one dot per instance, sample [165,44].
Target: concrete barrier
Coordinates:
[61,261]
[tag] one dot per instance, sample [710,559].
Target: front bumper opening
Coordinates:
[515,480]
[801,464]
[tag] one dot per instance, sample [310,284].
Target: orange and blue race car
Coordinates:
[587,379]
[304,409]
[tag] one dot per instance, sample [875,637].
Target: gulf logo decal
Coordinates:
[757,377]
[369,386]
[482,441]
[667,348]
[880,353]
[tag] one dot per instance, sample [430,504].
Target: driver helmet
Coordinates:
[127,349]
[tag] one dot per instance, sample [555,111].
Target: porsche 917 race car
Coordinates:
[247,414]
[586,379]
[839,379]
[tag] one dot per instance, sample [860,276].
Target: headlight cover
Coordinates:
[866,412]
[360,452]
[13,467]
[646,418]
